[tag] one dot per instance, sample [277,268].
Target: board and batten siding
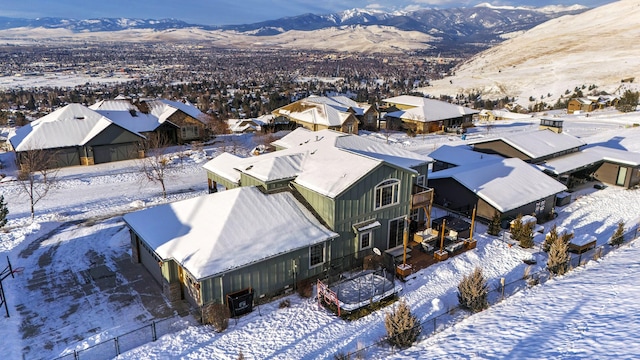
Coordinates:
[267,277]
[221,180]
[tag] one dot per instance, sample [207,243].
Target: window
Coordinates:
[316,255]
[387,193]
[540,206]
[420,180]
[365,240]
[622,176]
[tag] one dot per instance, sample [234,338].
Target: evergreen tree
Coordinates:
[525,237]
[628,102]
[494,225]
[550,238]
[4,211]
[558,257]
[472,291]
[618,236]
[516,227]
[402,326]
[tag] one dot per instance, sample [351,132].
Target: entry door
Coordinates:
[396,232]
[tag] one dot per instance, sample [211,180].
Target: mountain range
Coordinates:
[446,29]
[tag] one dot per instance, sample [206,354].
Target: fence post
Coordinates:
[154,335]
[75,355]
[117,346]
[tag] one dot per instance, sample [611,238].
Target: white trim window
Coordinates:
[366,240]
[316,255]
[387,193]
[421,180]
[540,205]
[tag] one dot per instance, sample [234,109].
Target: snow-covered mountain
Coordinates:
[597,47]
[456,29]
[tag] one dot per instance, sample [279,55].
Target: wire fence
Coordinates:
[453,315]
[113,347]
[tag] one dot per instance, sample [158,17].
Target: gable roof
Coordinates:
[460,155]
[163,109]
[426,110]
[327,111]
[588,157]
[128,115]
[538,143]
[505,184]
[201,232]
[71,125]
[327,162]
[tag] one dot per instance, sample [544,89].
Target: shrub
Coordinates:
[550,238]
[305,288]
[472,291]
[284,304]
[402,326]
[558,257]
[526,235]
[216,314]
[618,236]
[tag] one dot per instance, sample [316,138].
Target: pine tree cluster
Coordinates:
[558,257]
[494,225]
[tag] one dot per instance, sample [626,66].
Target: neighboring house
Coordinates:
[506,186]
[358,188]
[337,113]
[424,115]
[447,156]
[590,103]
[533,147]
[77,135]
[239,126]
[175,121]
[504,114]
[206,248]
[123,111]
[611,166]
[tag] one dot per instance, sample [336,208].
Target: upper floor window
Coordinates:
[387,193]
[421,180]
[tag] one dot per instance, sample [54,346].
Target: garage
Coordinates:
[114,152]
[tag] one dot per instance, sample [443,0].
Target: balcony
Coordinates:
[421,197]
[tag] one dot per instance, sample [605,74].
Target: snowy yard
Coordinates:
[72,295]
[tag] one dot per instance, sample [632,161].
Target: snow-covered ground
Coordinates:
[589,313]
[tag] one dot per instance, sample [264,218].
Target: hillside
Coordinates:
[598,47]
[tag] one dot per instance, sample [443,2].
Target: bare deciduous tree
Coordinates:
[157,161]
[36,175]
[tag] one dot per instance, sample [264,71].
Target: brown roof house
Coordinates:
[423,115]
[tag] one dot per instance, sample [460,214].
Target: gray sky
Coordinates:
[223,12]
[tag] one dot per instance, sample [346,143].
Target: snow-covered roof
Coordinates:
[72,125]
[124,113]
[163,109]
[339,102]
[505,184]
[460,155]
[590,156]
[327,111]
[201,233]
[225,166]
[390,154]
[539,143]
[327,162]
[426,110]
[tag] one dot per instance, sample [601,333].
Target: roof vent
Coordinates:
[79,117]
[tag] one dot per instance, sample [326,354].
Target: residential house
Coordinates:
[77,135]
[533,146]
[423,115]
[507,186]
[337,113]
[207,248]
[240,126]
[360,193]
[497,115]
[176,122]
[608,165]
[591,103]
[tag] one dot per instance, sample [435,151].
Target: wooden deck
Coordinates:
[420,259]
